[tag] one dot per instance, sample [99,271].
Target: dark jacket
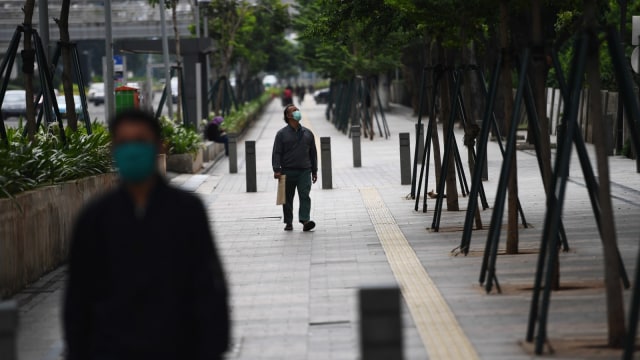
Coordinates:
[294,150]
[145,285]
[212,131]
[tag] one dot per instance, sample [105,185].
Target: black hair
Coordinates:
[285,112]
[136,115]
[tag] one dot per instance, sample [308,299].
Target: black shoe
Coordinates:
[308,225]
[289,227]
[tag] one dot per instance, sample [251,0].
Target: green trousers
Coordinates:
[300,179]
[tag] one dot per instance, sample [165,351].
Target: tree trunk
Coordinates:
[28,57]
[471,92]
[615,303]
[67,81]
[539,71]
[506,85]
[176,33]
[447,125]
[435,138]
[227,55]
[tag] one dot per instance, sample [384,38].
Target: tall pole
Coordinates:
[108,81]
[197,19]
[43,24]
[165,56]
[206,25]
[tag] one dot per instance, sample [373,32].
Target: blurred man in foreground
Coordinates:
[145,281]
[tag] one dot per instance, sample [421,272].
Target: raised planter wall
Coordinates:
[211,150]
[185,163]
[35,228]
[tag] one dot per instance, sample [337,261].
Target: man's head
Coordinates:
[289,114]
[135,138]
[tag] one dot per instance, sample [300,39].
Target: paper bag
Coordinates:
[281,198]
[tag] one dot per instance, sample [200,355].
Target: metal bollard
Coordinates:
[380,324]
[233,154]
[8,329]
[355,139]
[325,156]
[405,159]
[420,132]
[250,161]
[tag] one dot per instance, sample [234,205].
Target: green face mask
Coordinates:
[136,161]
[297,116]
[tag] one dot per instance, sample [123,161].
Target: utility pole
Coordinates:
[165,56]
[108,80]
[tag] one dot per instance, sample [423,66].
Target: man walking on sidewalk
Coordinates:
[145,280]
[296,157]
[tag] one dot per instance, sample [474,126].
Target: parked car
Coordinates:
[14,103]
[62,106]
[321,96]
[96,93]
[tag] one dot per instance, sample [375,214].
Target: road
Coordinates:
[96,112]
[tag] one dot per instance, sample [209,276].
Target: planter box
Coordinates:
[35,228]
[185,163]
[211,151]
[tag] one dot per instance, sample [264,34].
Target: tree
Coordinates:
[615,303]
[261,44]
[173,4]
[347,39]
[227,17]
[67,83]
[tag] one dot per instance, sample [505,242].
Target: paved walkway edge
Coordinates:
[439,330]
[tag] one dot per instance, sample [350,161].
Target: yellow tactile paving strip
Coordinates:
[439,330]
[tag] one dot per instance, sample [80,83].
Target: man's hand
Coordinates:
[276,175]
[314,177]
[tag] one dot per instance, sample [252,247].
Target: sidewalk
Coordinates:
[294,294]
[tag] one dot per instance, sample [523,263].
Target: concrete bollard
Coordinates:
[380,324]
[325,157]
[420,132]
[8,330]
[250,161]
[405,159]
[233,154]
[355,139]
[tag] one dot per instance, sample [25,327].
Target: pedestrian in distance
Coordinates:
[300,92]
[295,156]
[145,281]
[287,96]
[214,132]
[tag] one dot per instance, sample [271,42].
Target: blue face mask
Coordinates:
[136,161]
[296,115]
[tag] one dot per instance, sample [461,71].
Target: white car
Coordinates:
[96,93]
[269,80]
[14,103]
[62,106]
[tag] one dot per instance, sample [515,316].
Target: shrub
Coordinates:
[25,166]
[179,139]
[237,120]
